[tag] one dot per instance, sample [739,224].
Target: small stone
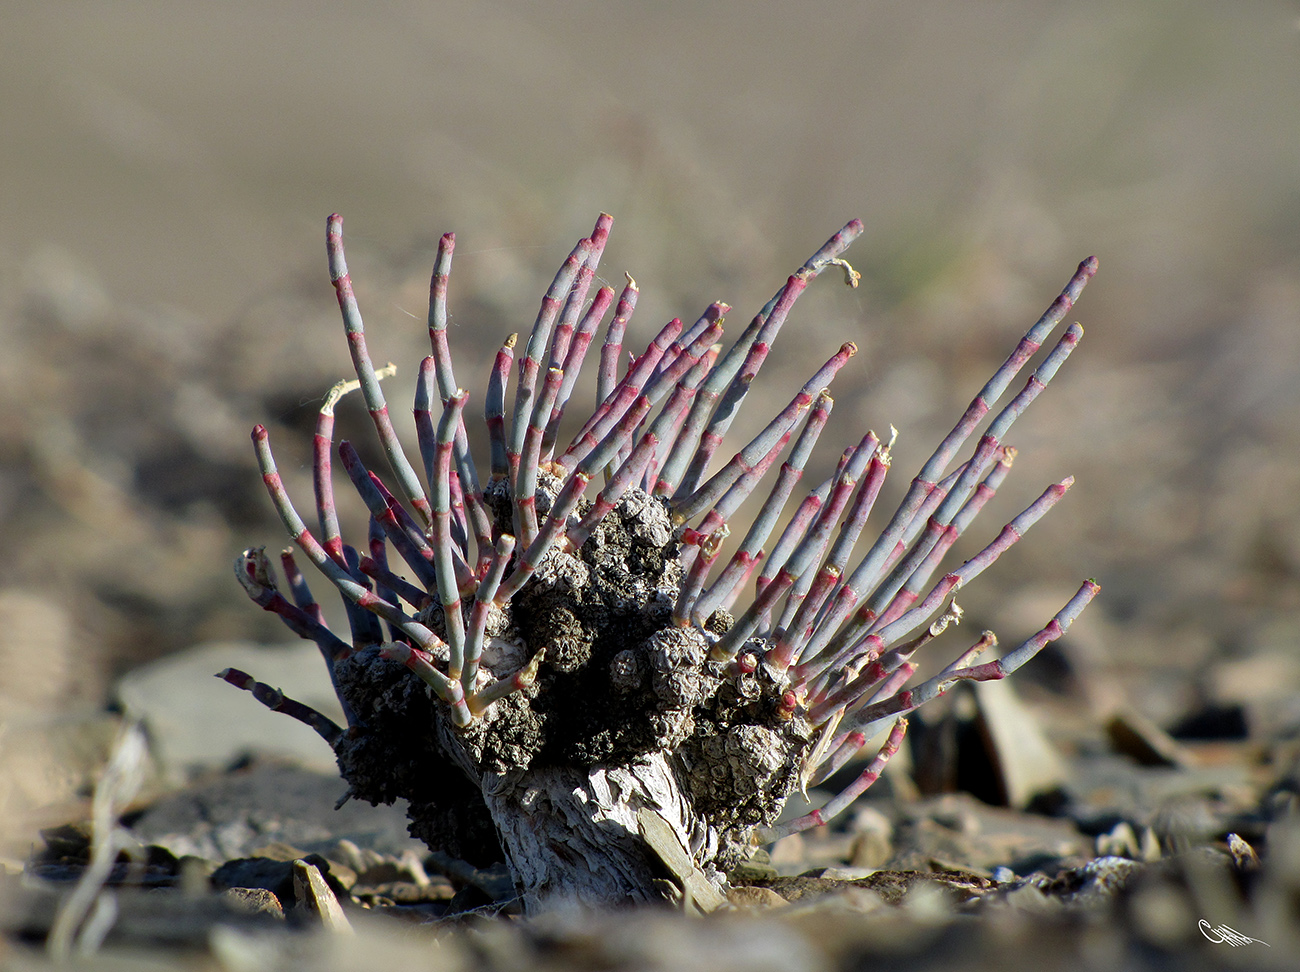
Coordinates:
[278,850]
[1137,737]
[1162,915]
[1244,857]
[359,859]
[384,870]
[254,901]
[341,875]
[69,842]
[1030,897]
[194,874]
[757,898]
[872,845]
[842,873]
[407,892]
[1100,879]
[316,898]
[1122,841]
[751,872]
[789,850]
[1026,762]
[1149,848]
[275,877]
[959,870]
[413,866]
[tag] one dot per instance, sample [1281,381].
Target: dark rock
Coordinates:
[1213,721]
[69,843]
[270,875]
[154,918]
[1137,737]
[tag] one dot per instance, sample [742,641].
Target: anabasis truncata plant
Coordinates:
[573,683]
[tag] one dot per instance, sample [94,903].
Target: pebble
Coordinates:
[316,897]
[1135,736]
[872,845]
[1025,762]
[755,897]
[254,901]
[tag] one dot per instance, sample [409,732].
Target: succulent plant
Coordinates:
[573,683]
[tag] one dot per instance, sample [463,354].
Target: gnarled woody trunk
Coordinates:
[626,714]
[573,834]
[582,669]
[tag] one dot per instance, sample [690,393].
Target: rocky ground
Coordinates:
[1088,845]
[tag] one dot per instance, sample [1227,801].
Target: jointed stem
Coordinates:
[443,549]
[277,701]
[530,363]
[354,591]
[607,376]
[841,802]
[356,333]
[494,408]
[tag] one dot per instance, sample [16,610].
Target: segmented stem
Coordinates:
[421,663]
[838,804]
[707,495]
[443,548]
[811,667]
[868,720]
[483,603]
[572,363]
[746,557]
[322,445]
[610,411]
[407,538]
[638,463]
[847,636]
[612,349]
[356,332]
[277,701]
[494,408]
[734,373]
[253,571]
[520,680]
[354,591]
[530,363]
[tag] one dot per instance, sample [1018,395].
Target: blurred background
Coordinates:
[166,172]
